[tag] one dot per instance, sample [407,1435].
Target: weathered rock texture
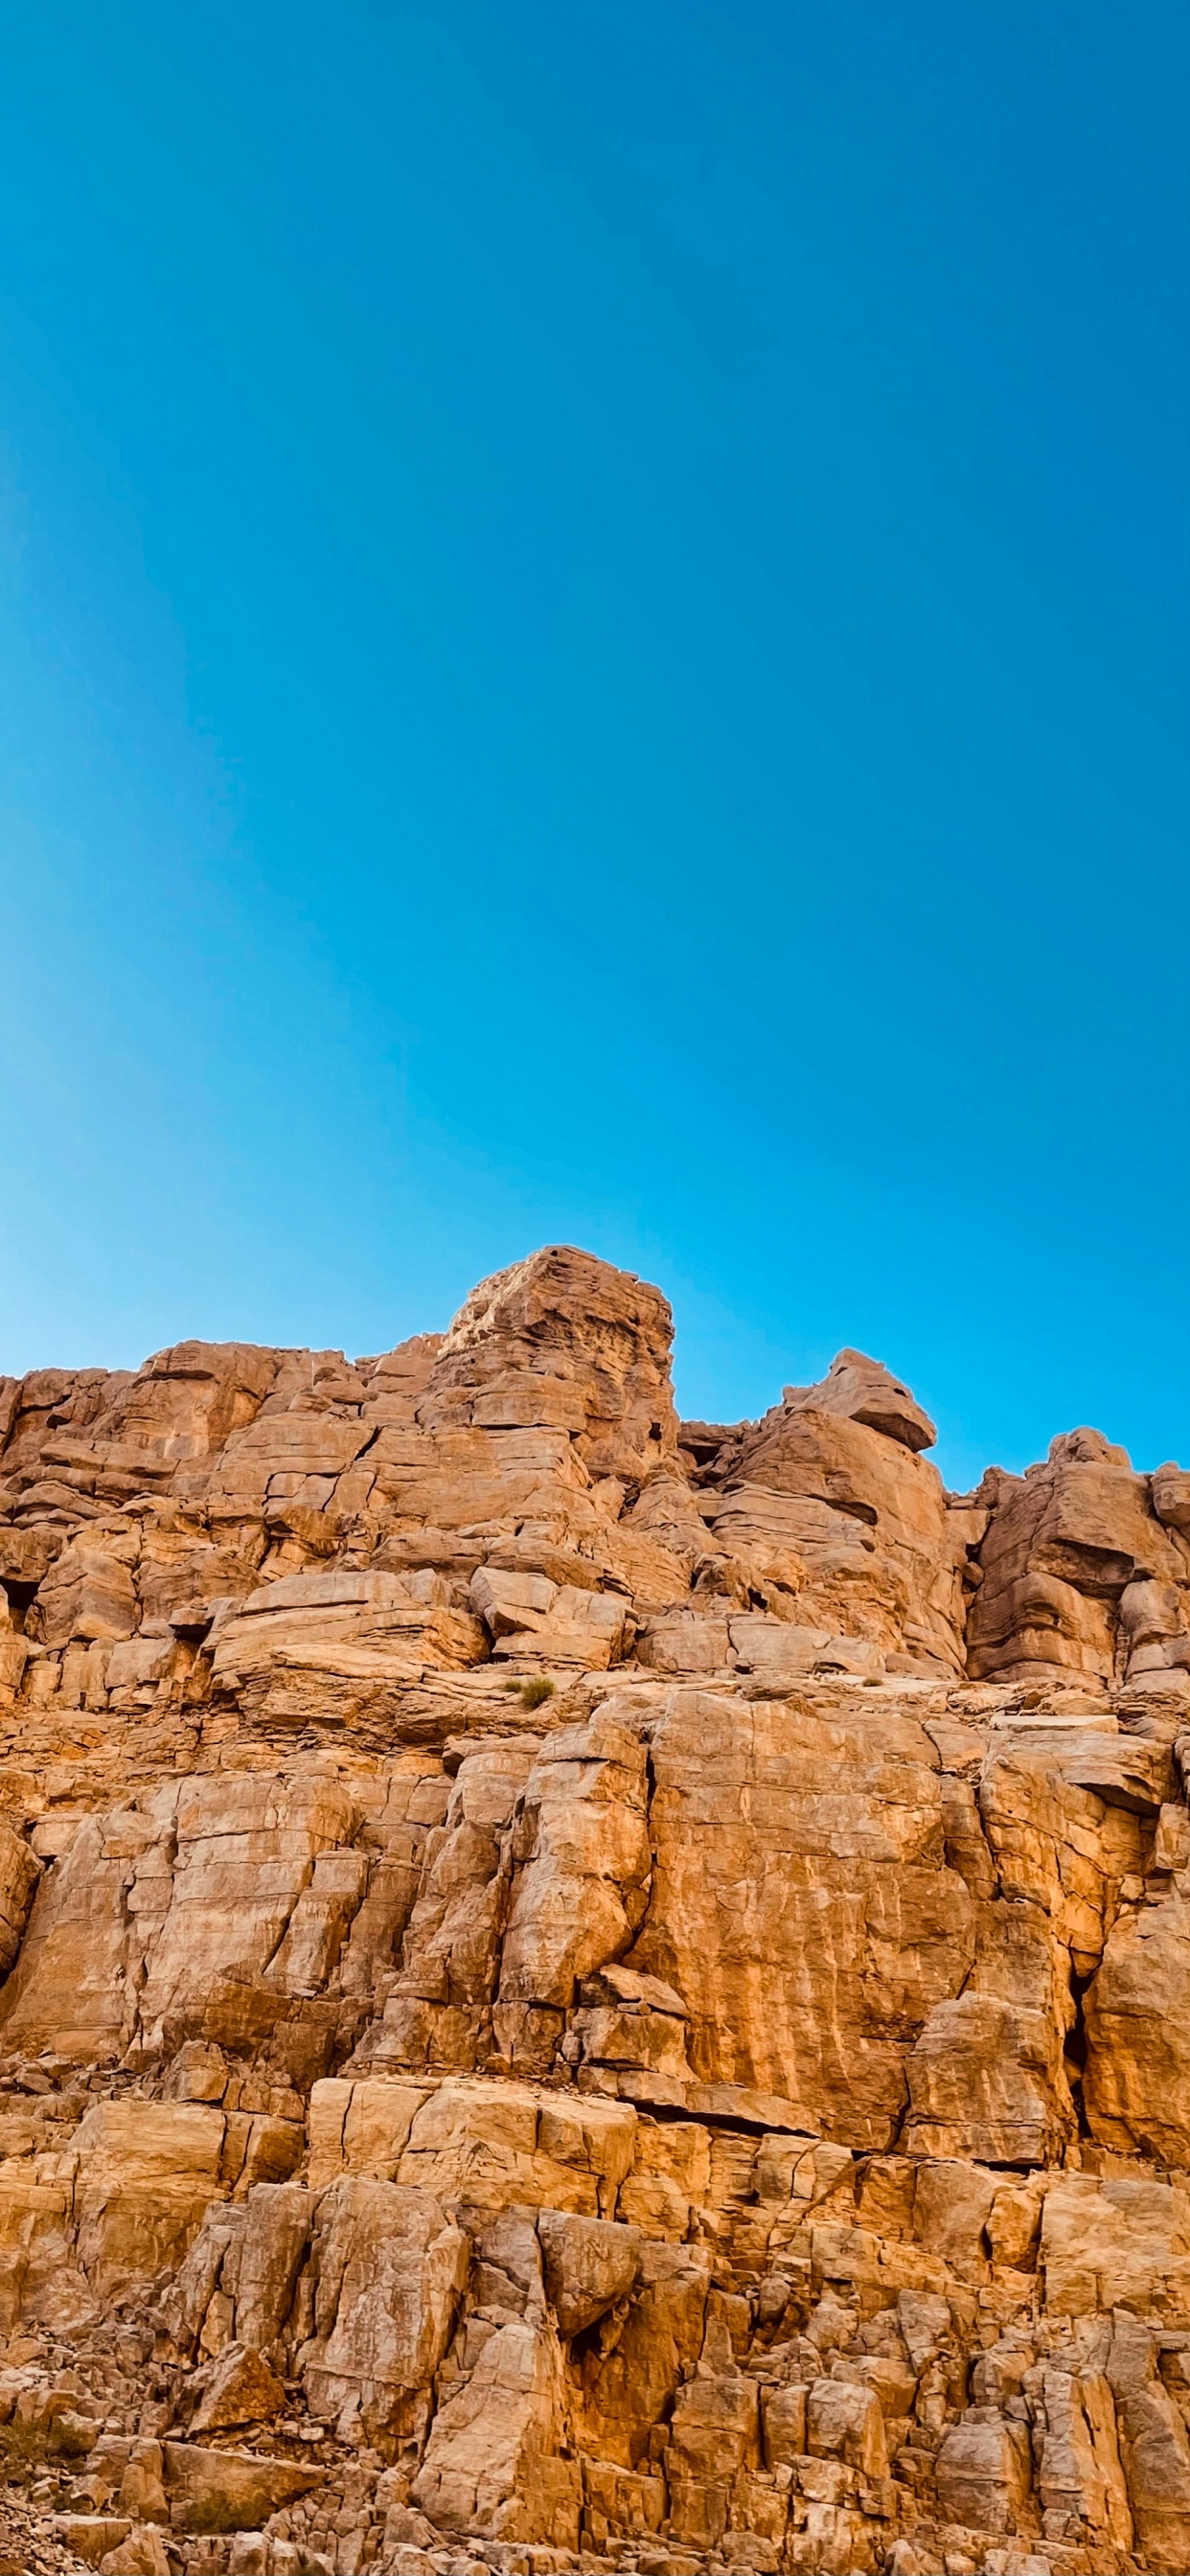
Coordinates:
[575,1981]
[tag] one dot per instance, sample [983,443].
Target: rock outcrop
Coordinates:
[578,1983]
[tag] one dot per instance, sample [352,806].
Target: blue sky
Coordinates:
[593,647]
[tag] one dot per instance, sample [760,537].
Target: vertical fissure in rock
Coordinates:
[1075,2048]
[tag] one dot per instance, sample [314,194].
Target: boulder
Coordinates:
[229,2490]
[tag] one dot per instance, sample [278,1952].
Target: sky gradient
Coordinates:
[593,647]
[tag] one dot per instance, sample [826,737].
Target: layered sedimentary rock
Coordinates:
[577,1982]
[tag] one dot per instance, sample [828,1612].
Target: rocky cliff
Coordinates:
[574,1981]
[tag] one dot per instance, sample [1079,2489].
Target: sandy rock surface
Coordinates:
[583,1988]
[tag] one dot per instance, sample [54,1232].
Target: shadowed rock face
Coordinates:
[568,1977]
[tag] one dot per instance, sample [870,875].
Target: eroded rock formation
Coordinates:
[577,1982]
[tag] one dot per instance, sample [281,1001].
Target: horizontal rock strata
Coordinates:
[574,1984]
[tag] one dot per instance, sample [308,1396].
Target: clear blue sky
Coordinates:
[593,646]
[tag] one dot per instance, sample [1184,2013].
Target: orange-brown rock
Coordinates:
[575,1981]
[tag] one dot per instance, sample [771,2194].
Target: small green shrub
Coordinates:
[24,2452]
[535,1693]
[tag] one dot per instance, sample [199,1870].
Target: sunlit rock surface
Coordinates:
[577,1982]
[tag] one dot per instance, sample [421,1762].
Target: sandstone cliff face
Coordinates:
[571,1981]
